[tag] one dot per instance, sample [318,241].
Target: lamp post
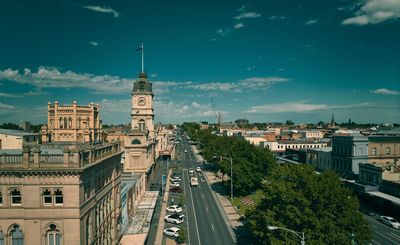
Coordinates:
[228,158]
[297,233]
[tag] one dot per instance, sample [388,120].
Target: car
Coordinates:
[198,169]
[389,221]
[194,181]
[175,218]
[174,209]
[185,151]
[171,231]
[176,190]
[175,178]
[191,171]
[175,184]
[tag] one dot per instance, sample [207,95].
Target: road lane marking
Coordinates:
[186,210]
[202,196]
[212,227]
[394,242]
[373,225]
[395,235]
[194,211]
[207,209]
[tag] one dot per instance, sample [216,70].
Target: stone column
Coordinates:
[66,154]
[74,121]
[36,154]
[25,155]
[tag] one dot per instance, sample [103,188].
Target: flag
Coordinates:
[140,47]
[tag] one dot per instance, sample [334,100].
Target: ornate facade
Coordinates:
[69,196]
[72,123]
[140,142]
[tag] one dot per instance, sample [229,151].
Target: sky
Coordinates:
[266,61]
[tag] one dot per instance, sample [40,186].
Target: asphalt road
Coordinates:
[382,234]
[204,223]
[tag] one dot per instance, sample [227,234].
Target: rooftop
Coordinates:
[16,132]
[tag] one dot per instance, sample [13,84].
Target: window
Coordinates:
[374,151]
[387,150]
[16,197]
[59,198]
[136,142]
[53,235]
[1,237]
[1,202]
[16,236]
[47,197]
[142,125]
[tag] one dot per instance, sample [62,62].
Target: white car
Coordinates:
[390,221]
[191,171]
[198,169]
[171,231]
[174,209]
[175,184]
[174,218]
[185,151]
[175,178]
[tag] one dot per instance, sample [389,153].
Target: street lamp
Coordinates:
[298,233]
[228,158]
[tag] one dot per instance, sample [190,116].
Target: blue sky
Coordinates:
[260,60]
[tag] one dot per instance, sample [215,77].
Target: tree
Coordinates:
[297,198]
[289,122]
[181,236]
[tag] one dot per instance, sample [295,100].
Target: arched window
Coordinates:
[136,142]
[1,202]
[65,122]
[16,235]
[58,196]
[16,198]
[141,86]
[47,197]
[142,125]
[53,235]
[69,122]
[1,237]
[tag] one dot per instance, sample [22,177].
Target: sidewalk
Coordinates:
[160,230]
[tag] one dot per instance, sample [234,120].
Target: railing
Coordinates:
[10,158]
[52,158]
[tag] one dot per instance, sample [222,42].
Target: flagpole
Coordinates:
[142,58]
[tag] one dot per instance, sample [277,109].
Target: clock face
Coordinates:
[142,101]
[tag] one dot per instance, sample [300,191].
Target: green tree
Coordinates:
[297,198]
[181,236]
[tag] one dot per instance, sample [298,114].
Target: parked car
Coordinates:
[175,218]
[171,231]
[176,190]
[175,184]
[198,169]
[389,221]
[191,171]
[174,209]
[185,151]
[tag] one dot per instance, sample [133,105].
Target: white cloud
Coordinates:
[385,91]
[311,22]
[9,95]
[247,15]
[213,39]
[374,12]
[222,32]
[4,107]
[301,107]
[93,43]
[50,77]
[250,68]
[105,9]
[154,75]
[239,25]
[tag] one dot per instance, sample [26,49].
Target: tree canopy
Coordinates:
[250,163]
[297,198]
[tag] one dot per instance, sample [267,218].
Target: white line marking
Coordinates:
[375,242]
[207,209]
[395,235]
[194,211]
[394,242]
[186,211]
[212,227]
[373,225]
[202,196]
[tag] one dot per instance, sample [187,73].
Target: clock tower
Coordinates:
[142,106]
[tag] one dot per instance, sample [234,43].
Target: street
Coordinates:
[204,222]
[382,234]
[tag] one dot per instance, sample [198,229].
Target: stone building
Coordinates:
[384,149]
[140,141]
[72,123]
[60,194]
[348,151]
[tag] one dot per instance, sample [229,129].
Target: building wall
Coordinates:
[72,123]
[384,150]
[8,141]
